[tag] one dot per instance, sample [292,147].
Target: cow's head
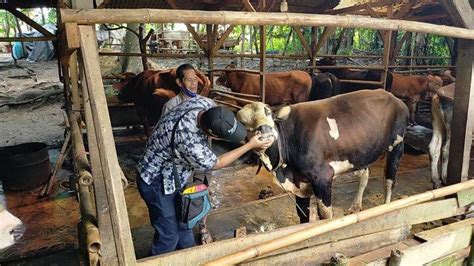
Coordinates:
[123,87]
[11,228]
[224,76]
[434,83]
[258,117]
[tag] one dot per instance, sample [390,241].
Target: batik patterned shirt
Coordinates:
[191,147]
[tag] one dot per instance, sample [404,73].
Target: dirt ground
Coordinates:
[34,121]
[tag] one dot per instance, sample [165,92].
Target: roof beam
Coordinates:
[30,22]
[460,11]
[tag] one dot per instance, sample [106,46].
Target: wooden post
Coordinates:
[262,62]
[104,219]
[462,14]
[463,114]
[108,154]
[314,40]
[242,46]
[387,37]
[210,59]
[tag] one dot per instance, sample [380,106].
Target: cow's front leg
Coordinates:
[357,203]
[322,191]
[412,109]
[302,209]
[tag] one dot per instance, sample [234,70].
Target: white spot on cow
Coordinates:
[304,191]
[341,167]
[333,131]
[9,231]
[397,141]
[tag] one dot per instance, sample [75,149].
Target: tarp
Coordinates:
[35,51]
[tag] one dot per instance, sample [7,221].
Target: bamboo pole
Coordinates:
[361,81]
[27,39]
[100,16]
[233,97]
[377,67]
[236,93]
[318,229]
[263,57]
[228,104]
[233,70]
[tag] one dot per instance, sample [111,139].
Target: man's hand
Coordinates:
[256,143]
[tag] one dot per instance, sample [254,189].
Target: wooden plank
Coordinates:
[30,22]
[70,41]
[303,41]
[454,259]
[407,216]
[460,12]
[463,114]
[349,247]
[435,233]
[190,28]
[76,97]
[379,257]
[248,6]
[104,220]
[210,42]
[357,7]
[439,247]
[387,41]
[263,55]
[399,46]
[87,16]
[221,41]
[465,197]
[108,155]
[324,37]
[27,39]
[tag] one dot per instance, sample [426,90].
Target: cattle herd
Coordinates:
[342,127]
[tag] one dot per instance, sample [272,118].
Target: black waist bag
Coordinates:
[193,204]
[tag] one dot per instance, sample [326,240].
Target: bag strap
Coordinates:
[177,183]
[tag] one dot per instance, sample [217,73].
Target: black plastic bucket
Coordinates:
[24,166]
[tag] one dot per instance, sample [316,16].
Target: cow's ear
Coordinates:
[283,113]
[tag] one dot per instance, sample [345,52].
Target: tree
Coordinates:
[131,45]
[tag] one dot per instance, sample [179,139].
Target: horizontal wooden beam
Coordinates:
[27,39]
[30,22]
[98,16]
[420,213]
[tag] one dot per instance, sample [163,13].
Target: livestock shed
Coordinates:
[378,235]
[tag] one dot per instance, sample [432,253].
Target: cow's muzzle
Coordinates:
[266,131]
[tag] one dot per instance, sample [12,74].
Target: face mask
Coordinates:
[188,92]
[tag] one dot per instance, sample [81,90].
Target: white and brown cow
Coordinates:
[442,105]
[316,141]
[11,228]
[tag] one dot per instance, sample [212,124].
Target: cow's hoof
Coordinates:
[352,210]
[206,237]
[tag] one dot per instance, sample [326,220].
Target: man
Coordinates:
[196,119]
[188,81]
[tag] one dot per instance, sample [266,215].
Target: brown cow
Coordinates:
[150,90]
[337,135]
[281,87]
[413,88]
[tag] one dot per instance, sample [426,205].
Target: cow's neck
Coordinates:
[276,154]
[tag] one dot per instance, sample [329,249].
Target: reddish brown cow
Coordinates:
[282,87]
[150,90]
[414,88]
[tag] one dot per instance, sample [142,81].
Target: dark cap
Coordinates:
[221,122]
